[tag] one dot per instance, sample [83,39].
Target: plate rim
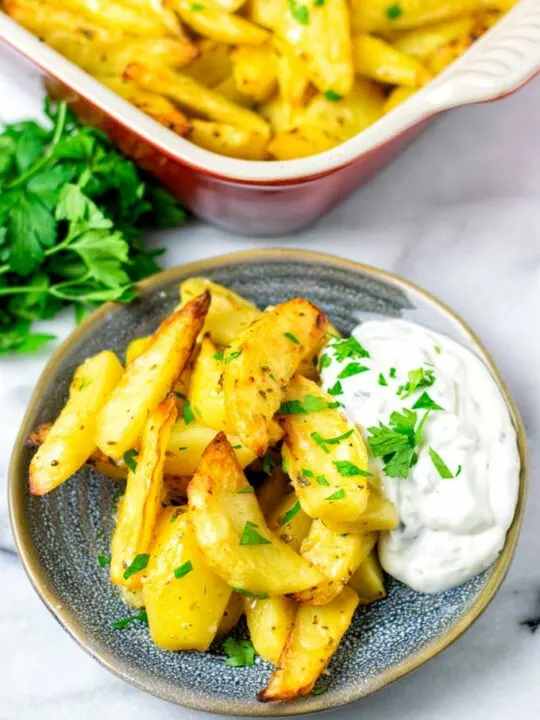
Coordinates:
[241,708]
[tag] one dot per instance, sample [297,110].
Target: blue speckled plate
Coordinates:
[60,535]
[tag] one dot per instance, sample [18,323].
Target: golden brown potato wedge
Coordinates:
[148,379]
[373,15]
[269,622]
[309,367]
[190,95]
[379,60]
[141,502]
[229,313]
[424,41]
[396,97]
[254,70]
[337,555]
[316,633]
[231,616]
[119,17]
[268,13]
[227,88]
[212,64]
[324,456]
[184,599]
[259,364]
[72,437]
[219,25]
[228,140]
[290,523]
[232,532]
[380,514]
[292,73]
[205,393]
[368,580]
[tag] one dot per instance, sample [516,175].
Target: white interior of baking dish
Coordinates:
[498,63]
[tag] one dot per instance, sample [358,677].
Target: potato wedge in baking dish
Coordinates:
[141,502]
[314,637]
[184,599]
[68,444]
[148,379]
[260,362]
[232,532]
[324,456]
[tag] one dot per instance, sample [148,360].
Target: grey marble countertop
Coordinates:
[459,214]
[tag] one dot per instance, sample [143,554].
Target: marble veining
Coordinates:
[459,214]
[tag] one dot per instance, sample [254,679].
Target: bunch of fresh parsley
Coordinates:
[71,211]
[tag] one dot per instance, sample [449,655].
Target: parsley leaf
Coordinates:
[352,369]
[124,622]
[349,469]
[299,11]
[418,378]
[425,402]
[250,535]
[129,459]
[395,443]
[232,356]
[348,349]
[292,338]
[310,403]
[248,593]
[103,560]
[290,514]
[218,355]
[189,415]
[393,12]
[138,564]
[324,442]
[246,490]
[240,653]
[338,495]
[268,464]
[182,570]
[382,380]
[321,480]
[332,96]
[336,389]
[442,468]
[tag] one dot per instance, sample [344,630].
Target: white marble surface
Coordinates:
[458,213]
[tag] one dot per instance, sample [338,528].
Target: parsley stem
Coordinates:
[44,159]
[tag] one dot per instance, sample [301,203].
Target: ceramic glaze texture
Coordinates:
[61,534]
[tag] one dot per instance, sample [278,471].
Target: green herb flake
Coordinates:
[236,447]
[324,442]
[437,349]
[336,389]
[332,96]
[419,378]
[393,12]
[240,653]
[396,443]
[248,490]
[325,361]
[442,468]
[306,473]
[290,514]
[318,3]
[124,622]
[250,535]
[182,570]
[352,369]
[392,373]
[382,380]
[218,355]
[310,403]
[197,7]
[292,338]
[129,459]
[349,469]
[425,402]
[319,690]
[349,349]
[189,416]
[268,464]
[249,594]
[299,11]
[232,356]
[458,471]
[103,560]
[138,564]
[321,480]
[338,495]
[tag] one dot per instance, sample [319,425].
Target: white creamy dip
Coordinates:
[451,528]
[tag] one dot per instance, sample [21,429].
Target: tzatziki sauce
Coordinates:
[458,497]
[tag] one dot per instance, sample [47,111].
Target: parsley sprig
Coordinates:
[71,210]
[396,443]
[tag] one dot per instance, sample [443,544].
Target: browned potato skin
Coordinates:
[255,381]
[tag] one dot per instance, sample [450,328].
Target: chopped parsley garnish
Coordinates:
[393,12]
[196,7]
[349,469]
[321,480]
[418,378]
[325,361]
[395,443]
[292,338]
[425,402]
[442,468]
[458,471]
[189,417]
[324,442]
[310,403]
[268,464]
[299,11]
[240,653]
[392,373]
[218,355]
[290,514]
[129,459]
[103,560]
[246,491]
[336,389]
[236,447]
[232,356]
[352,369]
[306,473]
[333,96]
[139,563]
[382,380]
[124,622]
[247,593]
[182,570]
[349,349]
[437,349]
[250,535]
[338,495]
[319,690]
[318,3]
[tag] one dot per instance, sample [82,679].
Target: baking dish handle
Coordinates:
[497,64]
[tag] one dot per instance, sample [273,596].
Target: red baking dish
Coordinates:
[273,198]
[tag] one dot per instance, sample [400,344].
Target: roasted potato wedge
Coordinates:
[337,555]
[368,580]
[372,16]
[119,17]
[316,633]
[379,60]
[269,622]
[261,361]
[271,491]
[231,616]
[189,441]
[232,532]
[72,438]
[184,599]
[227,88]
[396,97]
[212,64]
[219,25]
[229,313]
[290,522]
[205,393]
[228,140]
[380,514]
[254,70]
[424,41]
[325,458]
[141,503]
[149,378]
[309,367]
